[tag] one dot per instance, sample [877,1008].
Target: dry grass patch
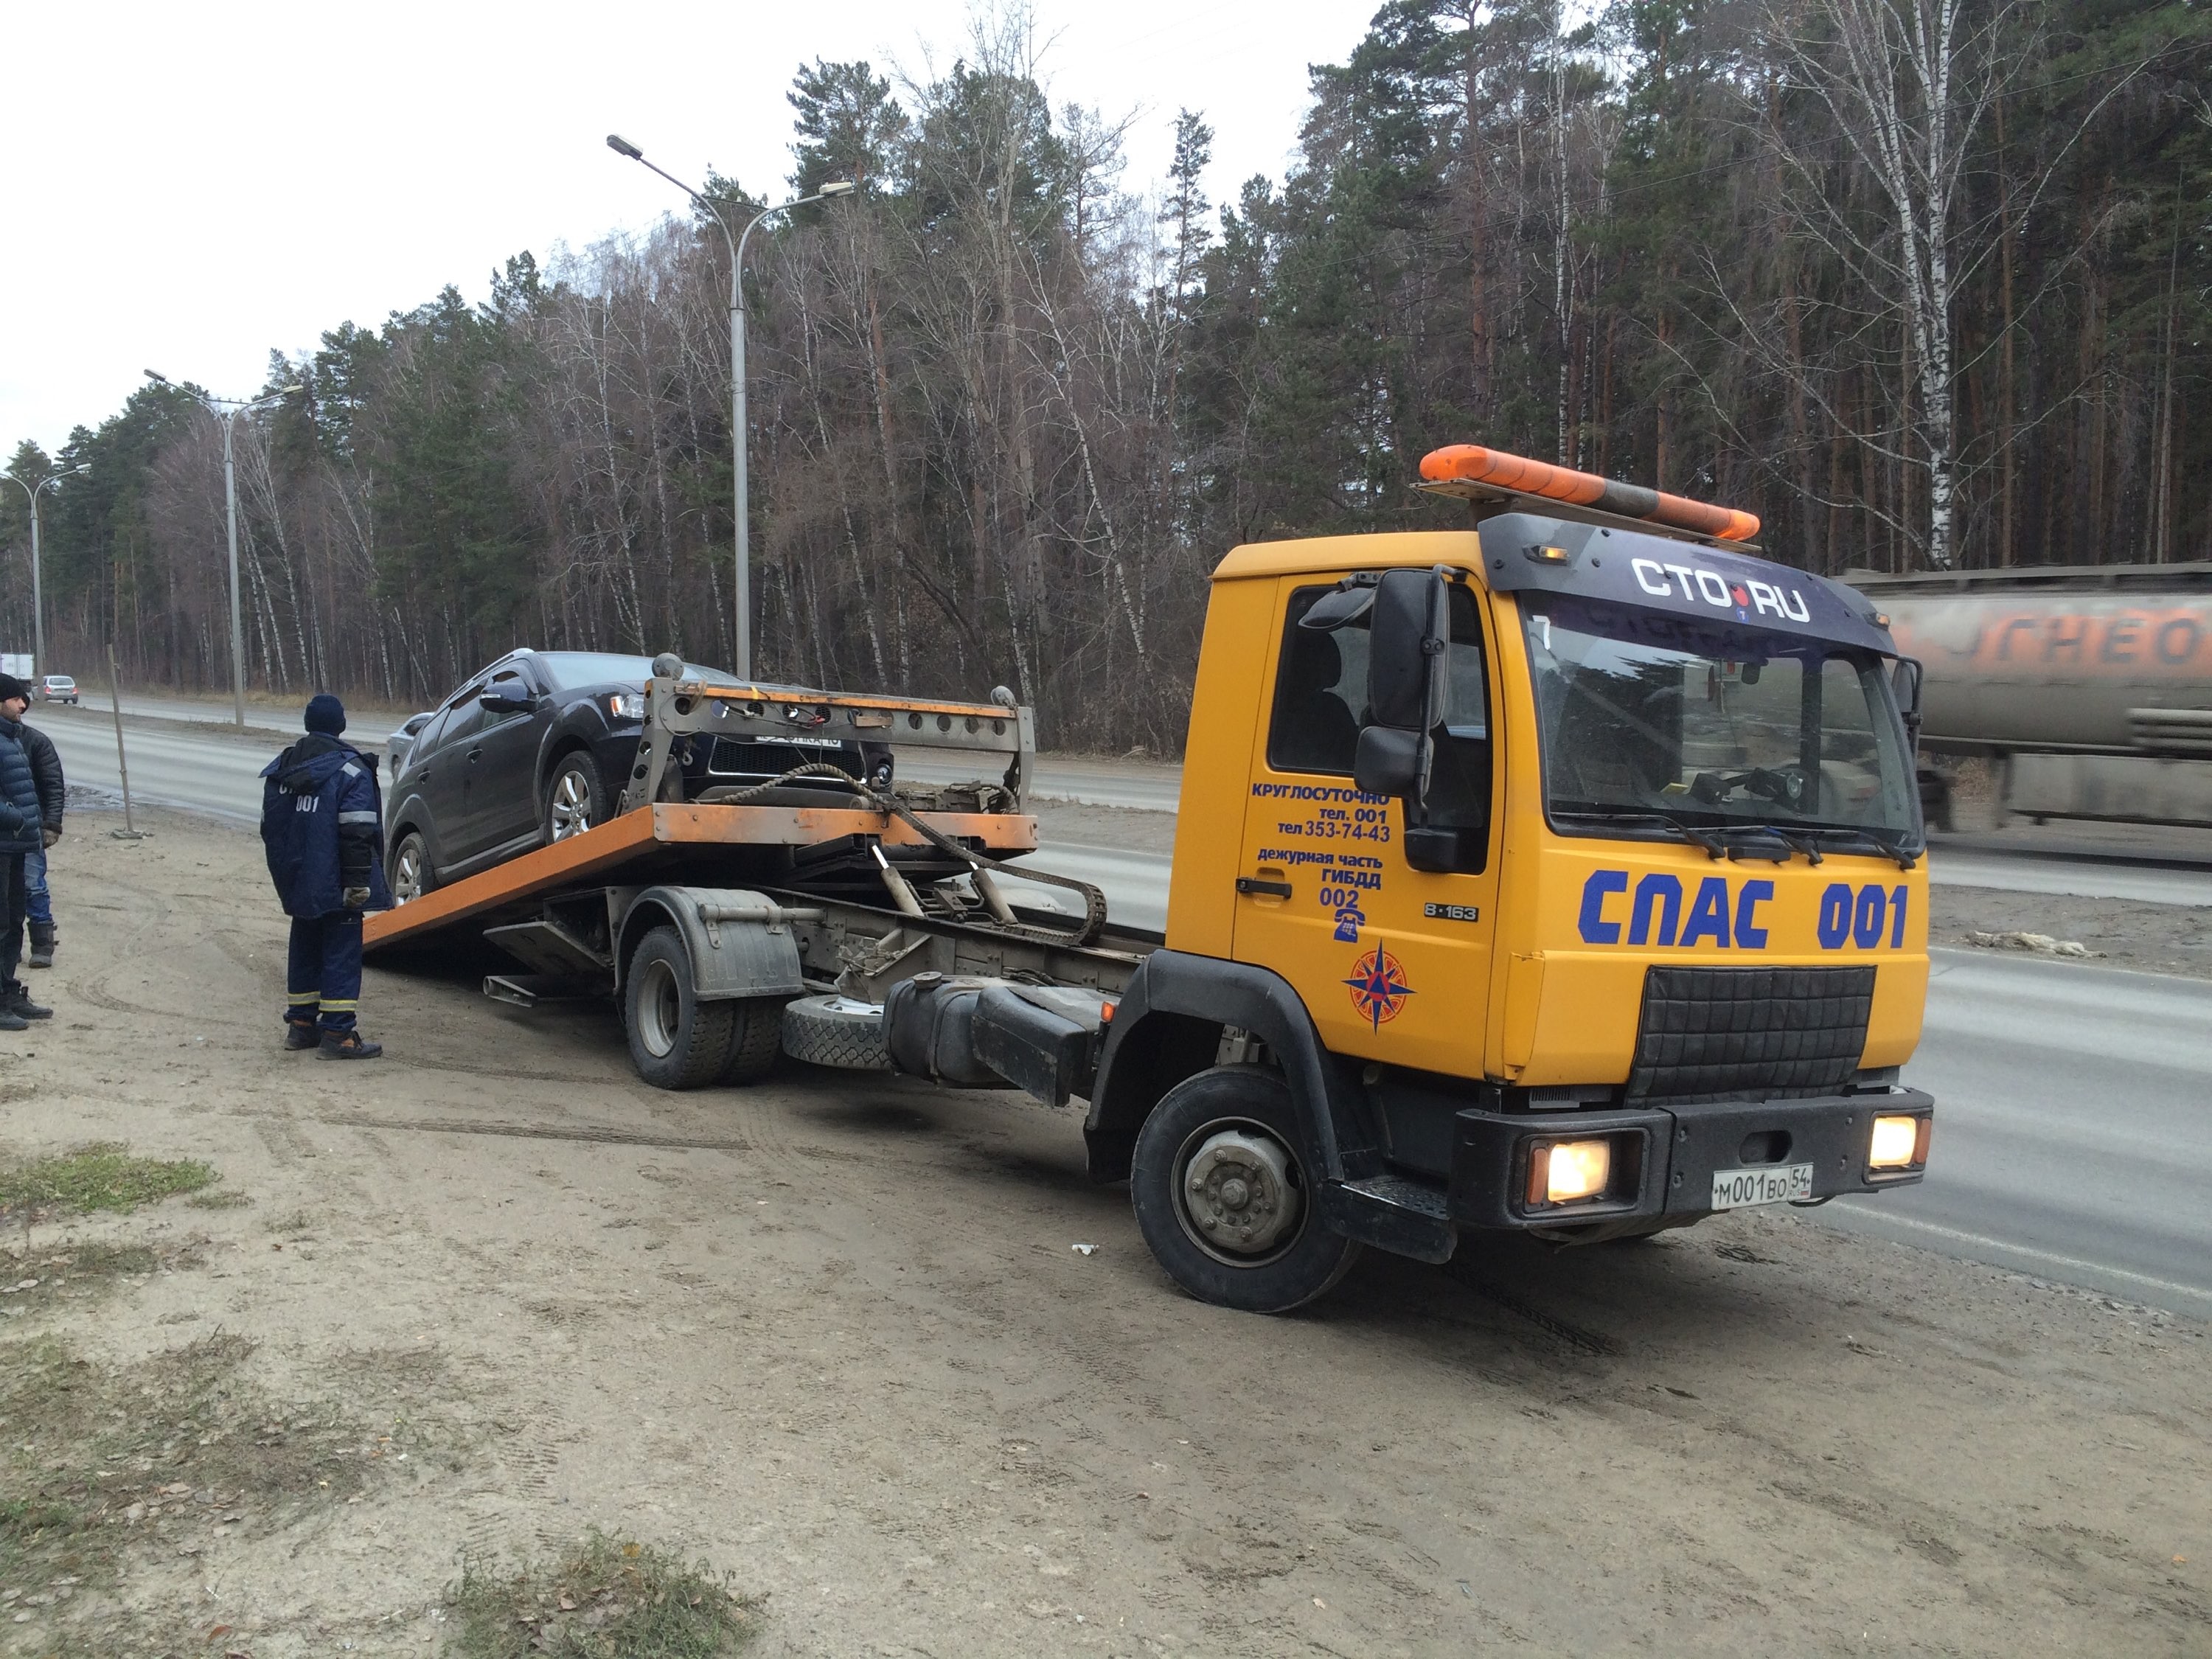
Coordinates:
[98,1462]
[601,1600]
[34,1278]
[104,1175]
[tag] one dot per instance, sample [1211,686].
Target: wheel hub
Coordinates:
[659,1009]
[1238,1194]
[572,807]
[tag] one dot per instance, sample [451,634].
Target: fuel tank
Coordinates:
[2113,660]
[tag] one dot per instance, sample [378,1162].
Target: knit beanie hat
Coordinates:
[325,713]
[12,687]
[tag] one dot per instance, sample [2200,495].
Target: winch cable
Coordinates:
[1085,931]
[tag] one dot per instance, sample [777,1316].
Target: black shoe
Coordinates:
[19,1004]
[42,945]
[349,1045]
[301,1036]
[12,1021]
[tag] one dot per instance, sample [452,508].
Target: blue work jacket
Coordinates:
[322,825]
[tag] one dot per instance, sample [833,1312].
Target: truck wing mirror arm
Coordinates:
[1904,683]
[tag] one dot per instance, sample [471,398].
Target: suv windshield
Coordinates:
[572,671]
[1712,726]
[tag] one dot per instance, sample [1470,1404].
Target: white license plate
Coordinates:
[1772,1184]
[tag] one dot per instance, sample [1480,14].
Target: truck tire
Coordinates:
[676,1041]
[1224,1197]
[836,1031]
[755,1039]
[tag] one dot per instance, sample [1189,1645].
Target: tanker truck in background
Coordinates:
[2090,686]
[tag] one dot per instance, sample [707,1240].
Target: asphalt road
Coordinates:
[2075,1104]
[2073,1128]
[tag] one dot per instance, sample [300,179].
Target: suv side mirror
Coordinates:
[1406,630]
[499,702]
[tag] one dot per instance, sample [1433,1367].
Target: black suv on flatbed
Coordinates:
[537,747]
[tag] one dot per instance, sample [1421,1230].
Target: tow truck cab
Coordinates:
[1557,875]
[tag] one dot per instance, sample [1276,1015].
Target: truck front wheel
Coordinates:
[676,1041]
[1224,1199]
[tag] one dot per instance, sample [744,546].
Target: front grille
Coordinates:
[1749,1033]
[748,758]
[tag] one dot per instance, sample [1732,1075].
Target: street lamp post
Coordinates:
[51,481]
[834,188]
[227,410]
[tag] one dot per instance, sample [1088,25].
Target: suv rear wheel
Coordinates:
[410,872]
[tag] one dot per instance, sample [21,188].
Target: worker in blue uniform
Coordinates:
[322,826]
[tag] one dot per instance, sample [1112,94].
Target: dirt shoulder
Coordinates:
[831,1336]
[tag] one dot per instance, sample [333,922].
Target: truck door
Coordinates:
[1393,963]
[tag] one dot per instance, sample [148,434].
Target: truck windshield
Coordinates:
[1678,725]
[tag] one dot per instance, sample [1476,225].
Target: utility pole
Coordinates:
[227,410]
[834,188]
[51,481]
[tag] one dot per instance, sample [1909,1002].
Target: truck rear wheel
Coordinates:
[1224,1199]
[755,1039]
[676,1041]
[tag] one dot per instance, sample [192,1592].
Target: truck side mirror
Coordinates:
[1905,686]
[1406,635]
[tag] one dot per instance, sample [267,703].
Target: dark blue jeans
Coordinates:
[42,909]
[323,978]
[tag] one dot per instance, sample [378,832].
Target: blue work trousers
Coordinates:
[42,911]
[323,981]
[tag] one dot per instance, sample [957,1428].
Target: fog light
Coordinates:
[1899,1142]
[1561,1171]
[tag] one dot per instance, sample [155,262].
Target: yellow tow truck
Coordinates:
[1561,874]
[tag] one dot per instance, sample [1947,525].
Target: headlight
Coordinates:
[1561,1171]
[1899,1142]
[627,705]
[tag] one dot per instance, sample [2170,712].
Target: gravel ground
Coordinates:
[830,1334]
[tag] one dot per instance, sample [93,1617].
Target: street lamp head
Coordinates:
[836,187]
[621,146]
[157,377]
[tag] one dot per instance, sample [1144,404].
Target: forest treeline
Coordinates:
[1923,283]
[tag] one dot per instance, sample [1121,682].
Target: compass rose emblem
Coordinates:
[1378,987]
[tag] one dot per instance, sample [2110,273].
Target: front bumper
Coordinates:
[1664,1158]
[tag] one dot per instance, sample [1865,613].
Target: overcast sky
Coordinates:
[193,185]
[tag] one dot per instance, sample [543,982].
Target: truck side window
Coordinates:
[1459,777]
[1320,690]
[1321,696]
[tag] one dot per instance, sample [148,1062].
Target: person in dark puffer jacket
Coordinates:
[21,832]
[322,826]
[53,797]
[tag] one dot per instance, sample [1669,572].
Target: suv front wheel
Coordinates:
[574,799]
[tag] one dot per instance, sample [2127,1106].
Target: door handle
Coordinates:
[1256,885]
[474,754]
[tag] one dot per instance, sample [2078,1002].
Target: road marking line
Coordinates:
[2028,1250]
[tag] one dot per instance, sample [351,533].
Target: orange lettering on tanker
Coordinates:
[1378,986]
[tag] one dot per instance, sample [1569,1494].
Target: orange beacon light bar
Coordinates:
[1471,464]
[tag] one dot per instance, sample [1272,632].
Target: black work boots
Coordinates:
[42,945]
[17,1011]
[349,1045]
